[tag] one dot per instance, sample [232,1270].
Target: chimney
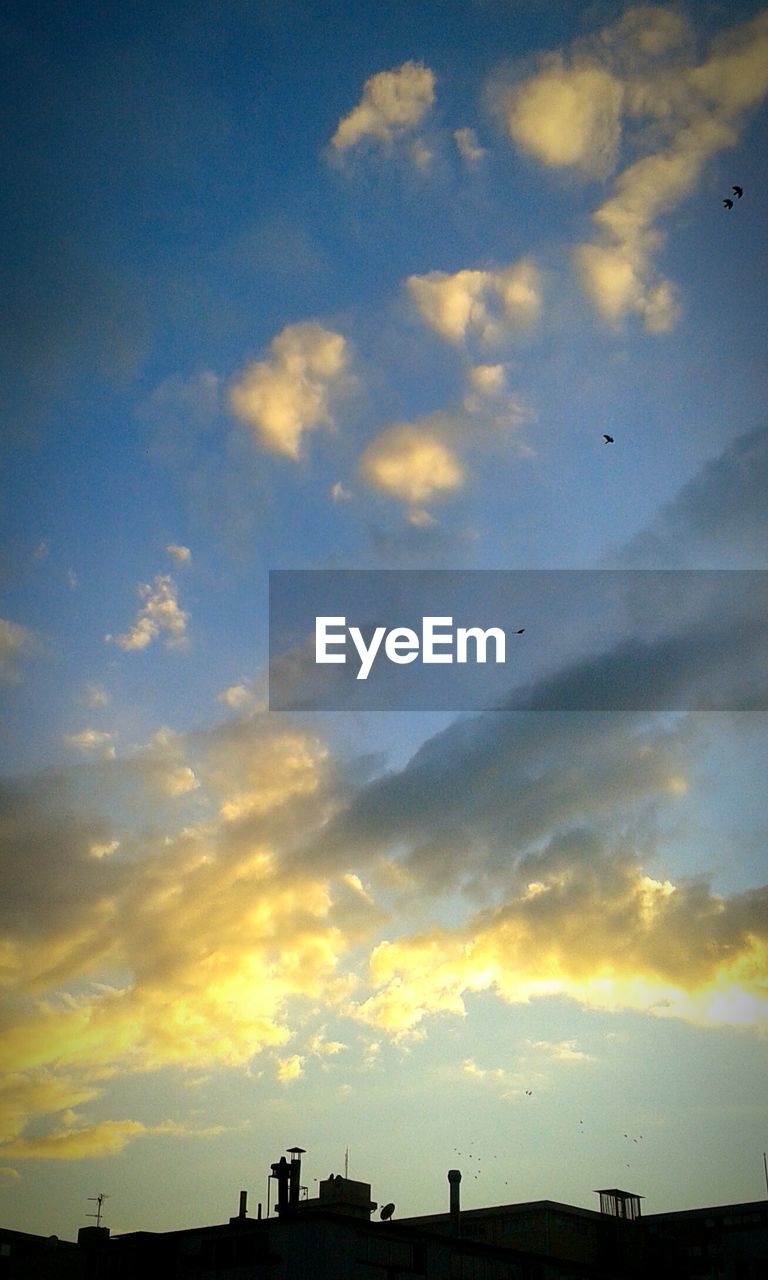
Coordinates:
[294,1182]
[454,1178]
[243,1214]
[281,1172]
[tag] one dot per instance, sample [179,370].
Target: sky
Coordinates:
[302,286]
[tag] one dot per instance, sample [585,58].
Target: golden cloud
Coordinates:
[411,464]
[603,934]
[568,116]
[484,304]
[107,1138]
[290,393]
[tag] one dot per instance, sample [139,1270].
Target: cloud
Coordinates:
[187,940]
[95,740]
[107,1138]
[717,520]
[290,393]
[199,936]
[41,1093]
[159,614]
[467,145]
[410,463]
[481,304]
[509,1084]
[96,696]
[568,116]
[392,102]
[648,940]
[561,1050]
[239,697]
[487,379]
[182,555]
[637,81]
[704,116]
[16,644]
[290,1069]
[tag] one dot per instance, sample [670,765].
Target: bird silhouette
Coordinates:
[607,439]
[738,191]
[520,631]
[728,204]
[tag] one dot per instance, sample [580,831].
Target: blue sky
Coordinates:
[317,287]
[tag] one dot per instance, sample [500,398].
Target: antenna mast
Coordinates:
[100,1198]
[346,1163]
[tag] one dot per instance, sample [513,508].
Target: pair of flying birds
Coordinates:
[738,192]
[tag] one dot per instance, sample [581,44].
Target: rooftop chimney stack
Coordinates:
[454,1178]
[294,1183]
[281,1172]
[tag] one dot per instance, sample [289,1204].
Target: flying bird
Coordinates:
[607,439]
[738,191]
[728,204]
[520,631]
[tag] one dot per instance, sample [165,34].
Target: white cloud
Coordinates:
[182,555]
[410,463]
[484,304]
[290,393]
[561,1050]
[159,614]
[392,102]
[239,697]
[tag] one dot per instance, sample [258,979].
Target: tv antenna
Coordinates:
[100,1198]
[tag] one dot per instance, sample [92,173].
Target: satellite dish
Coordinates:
[387,1212]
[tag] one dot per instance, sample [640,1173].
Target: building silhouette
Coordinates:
[335,1236]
